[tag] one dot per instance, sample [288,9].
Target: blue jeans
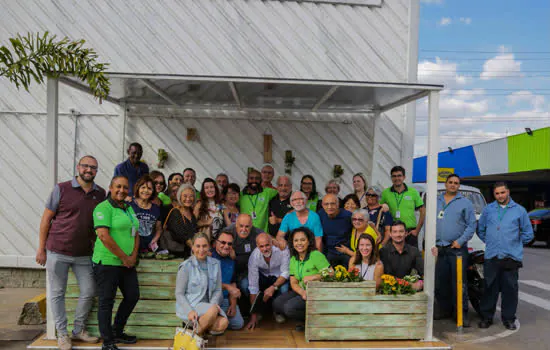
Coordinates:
[499,279]
[235,322]
[445,280]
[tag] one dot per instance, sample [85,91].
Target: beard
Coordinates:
[267,255]
[86,177]
[299,207]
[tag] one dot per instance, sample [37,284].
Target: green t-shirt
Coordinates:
[312,203]
[258,204]
[405,203]
[164,199]
[121,224]
[311,266]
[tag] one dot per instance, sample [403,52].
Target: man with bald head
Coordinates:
[267,273]
[280,205]
[336,223]
[245,242]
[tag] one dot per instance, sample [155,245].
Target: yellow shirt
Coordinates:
[369,230]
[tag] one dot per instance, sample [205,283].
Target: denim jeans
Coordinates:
[109,279]
[291,305]
[235,322]
[499,280]
[445,280]
[57,266]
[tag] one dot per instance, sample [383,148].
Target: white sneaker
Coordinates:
[64,342]
[85,337]
[279,318]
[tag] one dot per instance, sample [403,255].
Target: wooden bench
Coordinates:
[154,316]
[353,311]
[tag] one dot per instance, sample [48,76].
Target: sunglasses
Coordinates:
[358,219]
[371,195]
[229,244]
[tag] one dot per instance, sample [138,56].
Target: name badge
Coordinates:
[247,248]
[408,198]
[254,216]
[397,214]
[440,215]
[134,231]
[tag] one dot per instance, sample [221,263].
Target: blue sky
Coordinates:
[494,59]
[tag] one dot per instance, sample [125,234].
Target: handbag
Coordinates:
[188,339]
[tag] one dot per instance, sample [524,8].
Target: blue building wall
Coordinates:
[463,160]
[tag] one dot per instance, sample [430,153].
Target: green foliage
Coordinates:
[35,57]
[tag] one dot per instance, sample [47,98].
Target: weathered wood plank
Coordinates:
[340,293]
[142,332]
[146,292]
[156,266]
[145,279]
[143,306]
[366,307]
[370,320]
[138,319]
[365,333]
[343,285]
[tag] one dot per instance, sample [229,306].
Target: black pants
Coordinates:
[109,279]
[500,279]
[445,280]
[412,240]
[291,305]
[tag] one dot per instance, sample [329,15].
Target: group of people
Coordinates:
[251,250]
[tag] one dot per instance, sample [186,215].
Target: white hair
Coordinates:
[182,188]
[284,177]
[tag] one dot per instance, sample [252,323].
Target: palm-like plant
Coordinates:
[35,56]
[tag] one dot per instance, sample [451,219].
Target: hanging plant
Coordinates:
[35,57]
[337,171]
[162,157]
[289,162]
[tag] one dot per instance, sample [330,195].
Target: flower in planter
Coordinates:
[340,274]
[397,286]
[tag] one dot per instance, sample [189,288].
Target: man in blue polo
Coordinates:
[231,293]
[456,224]
[505,228]
[133,168]
[337,228]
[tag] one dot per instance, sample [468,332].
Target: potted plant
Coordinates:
[289,162]
[162,157]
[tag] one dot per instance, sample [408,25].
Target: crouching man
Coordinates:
[267,274]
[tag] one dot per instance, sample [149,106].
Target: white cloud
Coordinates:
[517,97]
[440,72]
[503,64]
[466,20]
[445,21]
[458,105]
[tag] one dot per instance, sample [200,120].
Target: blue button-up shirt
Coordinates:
[132,173]
[458,222]
[505,230]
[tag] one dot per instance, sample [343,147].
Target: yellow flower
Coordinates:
[393,288]
[338,274]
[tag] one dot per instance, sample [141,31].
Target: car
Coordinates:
[473,194]
[540,219]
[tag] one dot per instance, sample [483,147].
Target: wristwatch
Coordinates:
[275,287]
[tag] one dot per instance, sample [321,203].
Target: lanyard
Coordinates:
[129,216]
[360,199]
[366,271]
[255,202]
[399,198]
[501,215]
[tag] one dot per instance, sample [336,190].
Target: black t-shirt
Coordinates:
[279,208]
[243,248]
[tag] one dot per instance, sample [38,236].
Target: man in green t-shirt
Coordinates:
[254,200]
[403,202]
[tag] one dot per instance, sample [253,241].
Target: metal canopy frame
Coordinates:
[266,94]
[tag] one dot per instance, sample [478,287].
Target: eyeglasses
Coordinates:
[397,175]
[160,183]
[331,204]
[88,166]
[307,183]
[357,219]
[371,195]
[229,244]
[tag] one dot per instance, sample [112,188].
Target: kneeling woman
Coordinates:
[114,261]
[199,289]
[305,264]
[367,259]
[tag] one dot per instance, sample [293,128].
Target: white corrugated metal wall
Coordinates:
[204,37]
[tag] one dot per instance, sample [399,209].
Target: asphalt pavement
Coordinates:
[533,312]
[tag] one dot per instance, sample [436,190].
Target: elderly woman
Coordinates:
[305,264]
[360,189]
[333,187]
[209,209]
[199,289]
[367,260]
[181,224]
[114,261]
[361,225]
[231,193]
[351,203]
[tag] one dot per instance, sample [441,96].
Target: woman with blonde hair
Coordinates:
[199,289]
[360,188]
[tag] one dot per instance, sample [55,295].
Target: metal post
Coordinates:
[122,130]
[459,321]
[376,127]
[52,122]
[431,208]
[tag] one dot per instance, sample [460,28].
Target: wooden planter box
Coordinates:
[353,311]
[154,316]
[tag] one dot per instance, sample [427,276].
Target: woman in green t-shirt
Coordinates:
[114,261]
[305,264]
